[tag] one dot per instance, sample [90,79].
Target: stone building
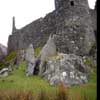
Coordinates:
[70,23]
[74,32]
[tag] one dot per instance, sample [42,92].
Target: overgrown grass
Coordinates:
[19,82]
[18,85]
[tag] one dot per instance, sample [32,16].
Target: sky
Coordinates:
[25,11]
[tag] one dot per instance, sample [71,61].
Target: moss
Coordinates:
[37,51]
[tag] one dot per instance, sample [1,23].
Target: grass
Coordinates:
[19,82]
[18,85]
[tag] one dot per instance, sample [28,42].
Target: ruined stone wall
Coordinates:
[74,33]
[35,33]
[70,22]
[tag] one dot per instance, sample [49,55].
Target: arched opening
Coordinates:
[72,3]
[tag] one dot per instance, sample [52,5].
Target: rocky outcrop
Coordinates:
[71,24]
[47,51]
[68,69]
[30,60]
[3,51]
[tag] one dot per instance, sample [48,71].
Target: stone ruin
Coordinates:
[71,33]
[72,22]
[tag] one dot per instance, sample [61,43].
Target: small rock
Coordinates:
[4,72]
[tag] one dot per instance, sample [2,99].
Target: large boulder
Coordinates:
[30,60]
[47,51]
[66,68]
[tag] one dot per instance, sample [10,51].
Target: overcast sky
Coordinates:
[25,12]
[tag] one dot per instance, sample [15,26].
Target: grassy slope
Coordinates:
[18,81]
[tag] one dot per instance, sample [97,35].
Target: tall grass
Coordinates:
[16,95]
[19,87]
[62,94]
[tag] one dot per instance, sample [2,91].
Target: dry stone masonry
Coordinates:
[71,24]
[74,33]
